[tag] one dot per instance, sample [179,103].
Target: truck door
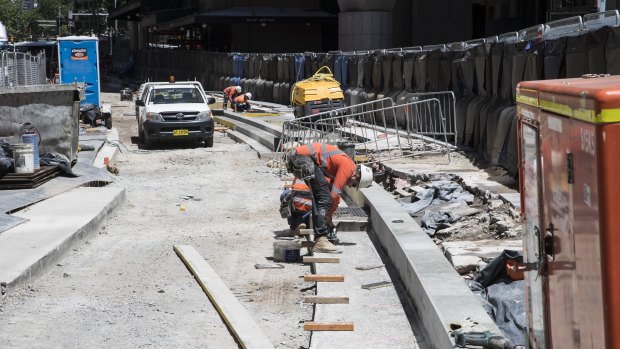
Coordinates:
[534,257]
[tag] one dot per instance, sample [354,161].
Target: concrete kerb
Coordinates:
[439,294]
[108,150]
[41,252]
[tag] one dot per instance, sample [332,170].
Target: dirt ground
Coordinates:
[126,288]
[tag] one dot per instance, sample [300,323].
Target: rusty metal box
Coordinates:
[569,173]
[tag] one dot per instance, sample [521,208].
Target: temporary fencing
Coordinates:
[368,132]
[21,69]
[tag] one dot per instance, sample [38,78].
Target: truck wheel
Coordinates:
[209,142]
[108,121]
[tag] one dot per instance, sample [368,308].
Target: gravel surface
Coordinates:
[126,288]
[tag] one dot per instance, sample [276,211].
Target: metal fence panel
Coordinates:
[21,69]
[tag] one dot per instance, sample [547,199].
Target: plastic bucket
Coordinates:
[24,158]
[286,251]
[33,138]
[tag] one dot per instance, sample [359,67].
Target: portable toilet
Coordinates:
[78,61]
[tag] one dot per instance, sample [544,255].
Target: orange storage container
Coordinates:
[569,151]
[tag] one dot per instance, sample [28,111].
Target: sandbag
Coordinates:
[273,68]
[444,81]
[308,58]
[433,70]
[279,69]
[386,73]
[555,52]
[268,92]
[276,93]
[597,40]
[300,64]
[577,56]
[613,51]
[260,90]
[420,72]
[466,77]
[344,72]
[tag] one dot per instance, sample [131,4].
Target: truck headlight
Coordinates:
[153,116]
[205,115]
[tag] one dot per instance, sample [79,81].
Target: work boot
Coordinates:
[322,245]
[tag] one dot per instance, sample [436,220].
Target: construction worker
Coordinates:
[296,206]
[242,102]
[230,93]
[326,170]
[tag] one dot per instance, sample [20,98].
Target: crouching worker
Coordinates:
[230,93]
[296,206]
[242,102]
[326,170]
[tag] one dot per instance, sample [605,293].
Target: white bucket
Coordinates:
[24,157]
[286,251]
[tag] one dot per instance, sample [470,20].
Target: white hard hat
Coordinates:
[365,176]
[249,95]
[238,88]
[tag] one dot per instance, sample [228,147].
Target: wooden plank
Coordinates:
[307,244]
[323,278]
[376,285]
[326,300]
[287,179]
[369,267]
[329,326]
[305,232]
[288,186]
[236,317]
[309,259]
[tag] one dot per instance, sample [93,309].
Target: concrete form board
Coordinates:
[53,228]
[437,291]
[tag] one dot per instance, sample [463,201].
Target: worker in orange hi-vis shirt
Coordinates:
[326,170]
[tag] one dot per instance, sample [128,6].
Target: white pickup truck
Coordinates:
[173,111]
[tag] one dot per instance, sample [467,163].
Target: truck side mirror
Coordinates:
[139,103]
[210,100]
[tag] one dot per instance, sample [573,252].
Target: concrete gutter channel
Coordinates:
[53,226]
[437,292]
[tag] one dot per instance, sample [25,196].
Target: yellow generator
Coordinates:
[317,94]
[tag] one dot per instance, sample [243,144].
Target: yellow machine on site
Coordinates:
[319,93]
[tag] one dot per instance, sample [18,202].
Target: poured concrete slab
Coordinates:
[53,227]
[378,315]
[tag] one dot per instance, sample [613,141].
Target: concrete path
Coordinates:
[53,226]
[378,315]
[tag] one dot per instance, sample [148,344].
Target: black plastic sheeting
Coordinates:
[503,298]
[483,78]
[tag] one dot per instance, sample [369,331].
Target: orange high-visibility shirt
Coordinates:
[337,166]
[231,91]
[240,99]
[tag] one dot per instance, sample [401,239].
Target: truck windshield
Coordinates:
[175,95]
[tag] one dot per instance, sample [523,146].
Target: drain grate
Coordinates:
[342,212]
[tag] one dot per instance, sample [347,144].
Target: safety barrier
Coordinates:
[366,129]
[21,69]
[481,75]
